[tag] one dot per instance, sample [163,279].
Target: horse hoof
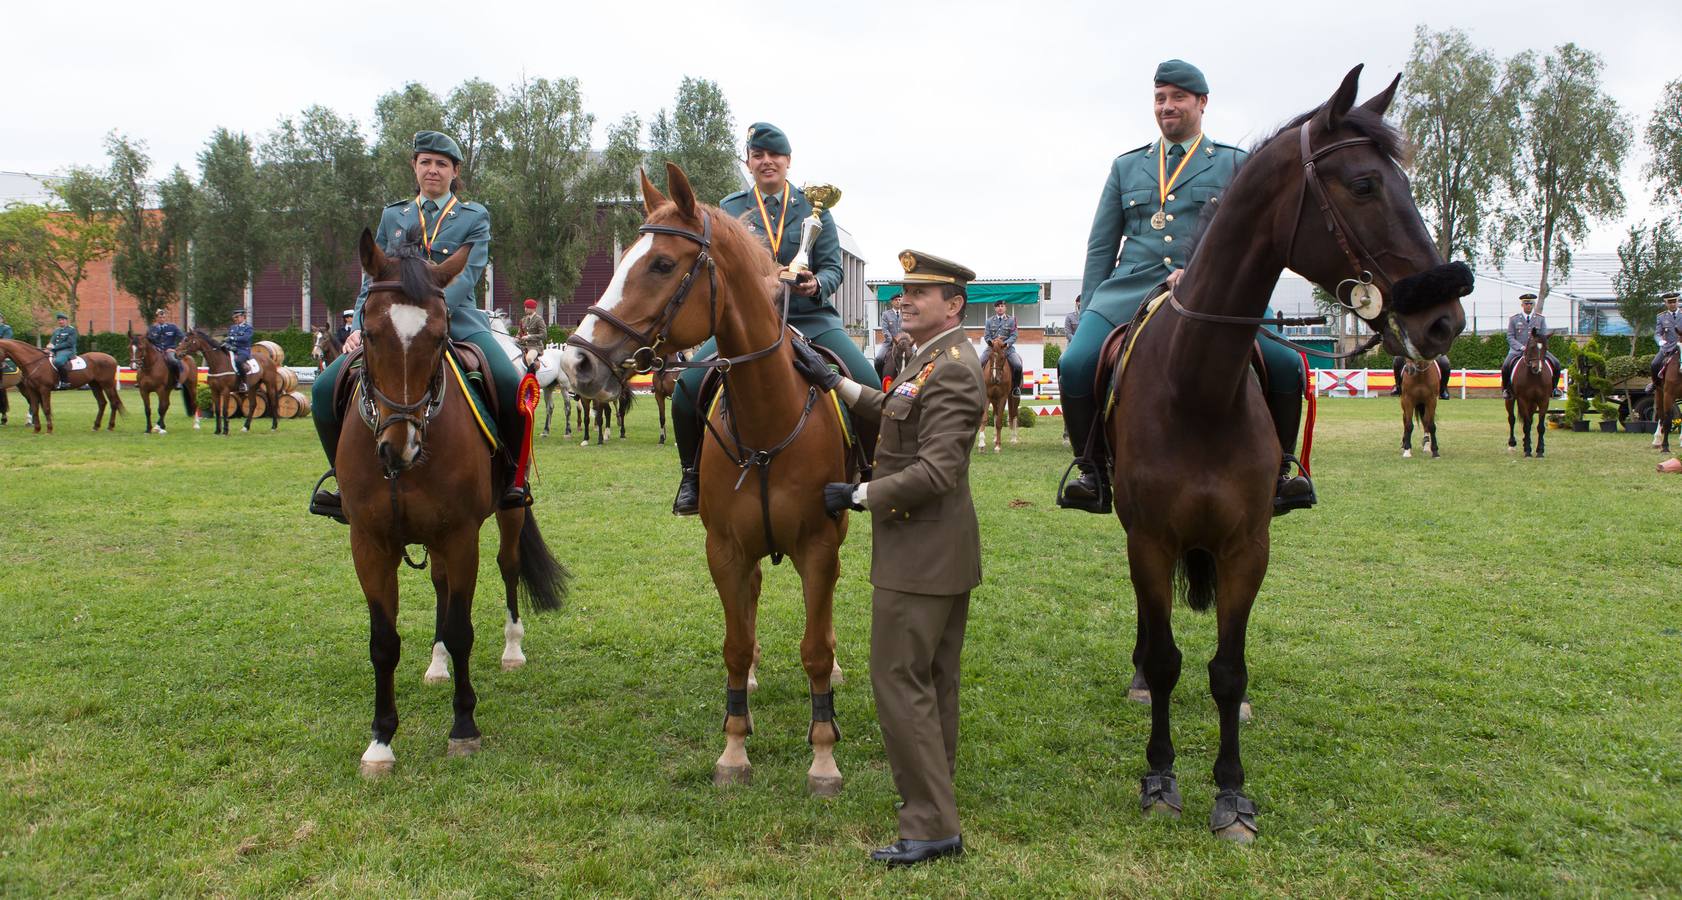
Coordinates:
[1244,713]
[434,678]
[1139,695]
[1236,833]
[462,747]
[1407,454]
[726,776]
[374,769]
[823,785]
[510,663]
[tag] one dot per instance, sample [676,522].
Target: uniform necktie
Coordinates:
[1176,151]
[429,206]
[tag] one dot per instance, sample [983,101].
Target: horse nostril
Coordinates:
[1442,330]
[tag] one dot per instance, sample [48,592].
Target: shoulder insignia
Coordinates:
[1139,149]
[736,196]
[954,352]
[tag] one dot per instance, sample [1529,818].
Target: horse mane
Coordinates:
[1358,119]
[414,270]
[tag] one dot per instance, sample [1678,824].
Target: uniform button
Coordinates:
[1168,239]
[1170,217]
[1170,196]
[1132,203]
[1168,260]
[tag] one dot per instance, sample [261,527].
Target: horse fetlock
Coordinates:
[377,760]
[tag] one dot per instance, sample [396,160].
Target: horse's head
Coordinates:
[315,348]
[196,341]
[136,351]
[405,328]
[1536,351]
[1355,230]
[669,290]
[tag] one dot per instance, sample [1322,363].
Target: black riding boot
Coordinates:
[688,440]
[1293,491]
[1396,369]
[1087,490]
[514,426]
[1442,392]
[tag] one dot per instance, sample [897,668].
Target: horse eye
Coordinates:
[662,266]
[1361,187]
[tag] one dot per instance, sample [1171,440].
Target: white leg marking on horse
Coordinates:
[616,288]
[407,320]
[377,753]
[439,671]
[512,634]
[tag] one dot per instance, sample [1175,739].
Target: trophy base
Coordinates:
[789,276]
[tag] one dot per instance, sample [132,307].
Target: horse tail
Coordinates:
[543,580]
[1194,578]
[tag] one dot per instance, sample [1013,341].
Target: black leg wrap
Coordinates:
[1159,787]
[1232,807]
[736,704]
[823,710]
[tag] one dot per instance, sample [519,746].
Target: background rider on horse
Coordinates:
[1518,334]
[1002,325]
[1667,330]
[61,347]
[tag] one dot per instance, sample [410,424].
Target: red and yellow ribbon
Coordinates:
[427,239]
[1164,183]
[782,218]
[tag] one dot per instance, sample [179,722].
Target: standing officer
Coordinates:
[5,330]
[164,338]
[925,547]
[1518,334]
[62,347]
[534,332]
[1072,321]
[238,342]
[1152,198]
[1002,325]
[891,329]
[773,211]
[341,334]
[1668,330]
[443,223]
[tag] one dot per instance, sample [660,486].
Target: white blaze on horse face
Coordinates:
[615,292]
[407,320]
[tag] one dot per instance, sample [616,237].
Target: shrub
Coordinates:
[1025,417]
[297,344]
[1620,368]
[204,398]
[1053,355]
[558,335]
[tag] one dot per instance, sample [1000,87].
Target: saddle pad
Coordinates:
[77,364]
[7,367]
[475,402]
[253,367]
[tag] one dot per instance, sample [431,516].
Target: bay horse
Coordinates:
[696,272]
[152,376]
[1421,383]
[1532,388]
[224,382]
[40,379]
[421,473]
[603,412]
[1002,399]
[1197,506]
[1667,389]
[326,349]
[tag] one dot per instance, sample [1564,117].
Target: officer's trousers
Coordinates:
[915,644]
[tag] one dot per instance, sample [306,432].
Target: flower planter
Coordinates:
[1639,426]
[1580,425]
[1609,425]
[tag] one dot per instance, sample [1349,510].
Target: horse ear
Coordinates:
[446,271]
[1380,102]
[682,193]
[1331,115]
[373,259]
[651,196]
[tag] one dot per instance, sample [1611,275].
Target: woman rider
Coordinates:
[444,222]
[773,211]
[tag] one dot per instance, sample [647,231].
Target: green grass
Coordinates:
[1464,672]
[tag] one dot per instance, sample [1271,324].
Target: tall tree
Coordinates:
[25,251]
[1570,149]
[229,243]
[397,116]
[614,183]
[470,118]
[699,134]
[1649,263]
[178,200]
[1459,112]
[148,257]
[20,303]
[78,234]
[320,182]
[1664,140]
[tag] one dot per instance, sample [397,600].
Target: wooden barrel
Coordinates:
[294,405]
[258,402]
[275,353]
[302,398]
[288,382]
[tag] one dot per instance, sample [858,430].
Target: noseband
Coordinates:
[417,414]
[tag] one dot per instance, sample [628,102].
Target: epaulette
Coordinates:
[1139,149]
[736,196]
[399,203]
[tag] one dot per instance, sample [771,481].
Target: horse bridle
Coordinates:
[418,413]
[647,357]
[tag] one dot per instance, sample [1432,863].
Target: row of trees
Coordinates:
[299,195]
[1526,153]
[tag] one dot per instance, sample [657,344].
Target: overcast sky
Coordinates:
[981,131]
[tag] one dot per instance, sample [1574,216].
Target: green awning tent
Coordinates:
[987,294]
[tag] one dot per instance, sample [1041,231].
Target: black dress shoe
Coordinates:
[904,852]
[327,503]
[1084,493]
[688,501]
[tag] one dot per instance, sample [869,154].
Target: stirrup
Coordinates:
[1283,504]
[327,503]
[1098,504]
[516,498]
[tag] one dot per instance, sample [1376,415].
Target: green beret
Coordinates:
[437,142]
[768,137]
[59,315]
[926,268]
[1182,74]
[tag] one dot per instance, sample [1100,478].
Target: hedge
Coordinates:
[1474,352]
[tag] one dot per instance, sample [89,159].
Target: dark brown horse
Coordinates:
[899,353]
[40,379]
[603,411]
[326,348]
[152,375]
[419,473]
[696,272]
[1326,197]
[1532,388]
[224,383]
[1421,383]
[664,385]
[1667,389]
[1002,398]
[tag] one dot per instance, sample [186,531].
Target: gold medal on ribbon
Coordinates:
[1165,182]
[1159,220]
[775,239]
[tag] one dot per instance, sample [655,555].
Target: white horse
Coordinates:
[550,376]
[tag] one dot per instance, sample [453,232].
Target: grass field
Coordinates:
[1465,674]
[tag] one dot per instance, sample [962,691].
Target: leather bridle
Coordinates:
[1363,263]
[370,399]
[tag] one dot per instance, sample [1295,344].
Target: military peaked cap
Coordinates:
[349,312]
[59,315]
[1668,296]
[437,142]
[768,137]
[1182,74]
[1524,297]
[925,268]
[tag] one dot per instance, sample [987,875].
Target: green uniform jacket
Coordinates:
[1114,288]
[826,251]
[466,223]
[924,535]
[5,332]
[62,344]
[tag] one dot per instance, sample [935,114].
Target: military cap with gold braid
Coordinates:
[1668,296]
[926,268]
[1524,297]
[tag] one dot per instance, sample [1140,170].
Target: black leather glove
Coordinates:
[812,367]
[837,496]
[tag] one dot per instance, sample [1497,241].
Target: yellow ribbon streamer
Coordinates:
[782,219]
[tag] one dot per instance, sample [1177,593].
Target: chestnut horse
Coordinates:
[224,387]
[696,272]
[1532,388]
[40,379]
[152,376]
[1002,399]
[1421,382]
[1324,196]
[419,473]
[326,348]
[1667,389]
[664,385]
